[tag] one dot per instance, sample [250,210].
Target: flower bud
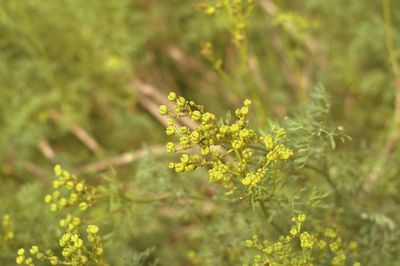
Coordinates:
[163,110]
[93,229]
[172,96]
[181,102]
[79,187]
[210,10]
[196,115]
[170,131]
[170,147]
[185,158]
[47,199]
[83,206]
[34,250]
[179,167]
[195,137]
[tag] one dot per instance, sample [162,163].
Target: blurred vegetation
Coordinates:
[80,86]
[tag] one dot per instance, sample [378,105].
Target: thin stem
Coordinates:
[389,36]
[394,130]
[326,176]
[273,224]
[146,200]
[237,154]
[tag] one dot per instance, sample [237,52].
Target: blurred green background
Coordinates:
[81,81]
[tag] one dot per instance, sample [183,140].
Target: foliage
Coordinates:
[304,171]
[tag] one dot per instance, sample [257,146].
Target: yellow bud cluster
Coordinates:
[238,160]
[236,11]
[279,153]
[315,248]
[74,250]
[252,179]
[188,163]
[69,191]
[70,222]
[94,239]
[307,240]
[219,172]
[24,258]
[6,230]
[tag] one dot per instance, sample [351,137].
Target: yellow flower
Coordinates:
[20,259]
[170,131]
[163,109]
[301,218]
[293,231]
[99,251]
[83,206]
[170,147]
[21,251]
[93,229]
[79,187]
[306,240]
[54,260]
[58,170]
[34,250]
[196,115]
[181,102]
[210,10]
[172,96]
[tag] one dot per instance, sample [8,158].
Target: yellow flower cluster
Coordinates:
[74,250]
[235,153]
[6,231]
[300,248]
[69,191]
[235,12]
[70,222]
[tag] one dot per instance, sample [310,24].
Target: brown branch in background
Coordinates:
[81,134]
[255,70]
[394,131]
[46,149]
[300,78]
[312,45]
[390,143]
[397,101]
[151,103]
[35,170]
[387,150]
[280,110]
[122,159]
[147,90]
[291,75]
[152,108]
[187,62]
[89,141]
[287,70]
[269,7]
[207,79]
[150,98]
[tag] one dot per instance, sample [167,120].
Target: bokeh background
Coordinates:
[81,82]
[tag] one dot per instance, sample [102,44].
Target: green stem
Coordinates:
[146,200]
[389,36]
[273,224]
[327,178]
